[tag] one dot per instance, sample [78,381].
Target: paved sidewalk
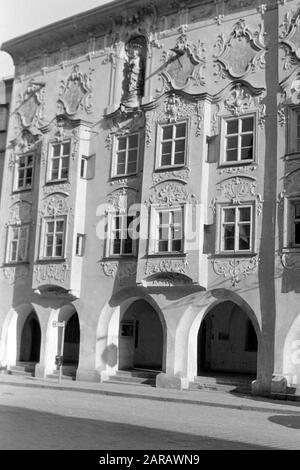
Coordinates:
[202,397]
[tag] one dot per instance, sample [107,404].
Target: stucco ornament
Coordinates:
[235,270]
[291,261]
[181,175]
[290,36]
[167,279]
[120,271]
[75,92]
[242,53]
[30,108]
[180,266]
[20,213]
[291,88]
[122,199]
[135,20]
[51,273]
[55,205]
[238,188]
[292,183]
[15,274]
[185,62]
[168,194]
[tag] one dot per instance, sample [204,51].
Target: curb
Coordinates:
[151,397]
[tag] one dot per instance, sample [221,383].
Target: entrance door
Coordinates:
[30,340]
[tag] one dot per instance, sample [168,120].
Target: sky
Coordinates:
[18,17]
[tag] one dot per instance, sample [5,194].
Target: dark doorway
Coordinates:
[30,340]
[72,341]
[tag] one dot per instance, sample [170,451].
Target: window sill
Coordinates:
[162,169]
[51,260]
[53,182]
[24,190]
[234,255]
[292,156]
[9,264]
[178,254]
[120,177]
[295,249]
[237,164]
[118,258]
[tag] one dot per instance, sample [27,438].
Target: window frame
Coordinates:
[10,228]
[110,239]
[294,111]
[220,224]
[159,134]
[43,245]
[114,173]
[17,170]
[154,227]
[289,223]
[52,144]
[239,161]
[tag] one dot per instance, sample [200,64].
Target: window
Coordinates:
[126,155]
[54,238]
[80,244]
[298,130]
[236,231]
[239,140]
[172,145]
[169,233]
[60,158]
[24,172]
[83,167]
[17,243]
[121,242]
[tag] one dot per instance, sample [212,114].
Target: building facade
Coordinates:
[151,194]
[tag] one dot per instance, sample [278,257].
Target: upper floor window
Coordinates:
[127,152]
[24,172]
[18,237]
[168,230]
[53,243]
[60,160]
[292,223]
[236,229]
[121,238]
[239,140]
[294,130]
[173,140]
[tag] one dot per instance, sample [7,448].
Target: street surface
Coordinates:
[42,419]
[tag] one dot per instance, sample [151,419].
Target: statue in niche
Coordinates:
[134,71]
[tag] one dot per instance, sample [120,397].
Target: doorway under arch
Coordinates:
[72,341]
[227,342]
[30,344]
[141,338]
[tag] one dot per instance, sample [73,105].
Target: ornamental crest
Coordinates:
[237,188]
[55,205]
[122,199]
[171,193]
[76,92]
[242,53]
[290,36]
[236,270]
[20,212]
[184,63]
[31,107]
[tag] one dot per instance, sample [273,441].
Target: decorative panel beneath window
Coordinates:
[123,271]
[235,270]
[167,279]
[170,193]
[15,274]
[238,190]
[172,265]
[53,273]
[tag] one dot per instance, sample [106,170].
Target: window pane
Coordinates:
[121,157]
[58,250]
[247,153]
[245,214]
[55,164]
[131,167]
[122,143]
[66,148]
[56,150]
[167,132]
[128,246]
[132,155]
[50,227]
[180,130]
[232,143]
[133,141]
[229,233]
[177,217]
[297,233]
[233,126]
[247,124]
[164,218]
[64,173]
[229,215]
[166,148]
[60,226]
[163,246]
[247,140]
[176,245]
[116,247]
[244,237]
[297,211]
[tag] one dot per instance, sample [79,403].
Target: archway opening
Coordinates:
[227,343]
[30,340]
[141,338]
[72,342]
